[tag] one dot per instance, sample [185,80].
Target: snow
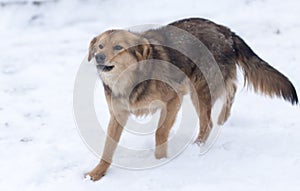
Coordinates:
[41,50]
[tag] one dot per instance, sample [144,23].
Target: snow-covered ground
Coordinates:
[40,52]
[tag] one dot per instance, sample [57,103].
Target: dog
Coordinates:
[132,55]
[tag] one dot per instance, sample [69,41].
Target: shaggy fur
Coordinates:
[116,51]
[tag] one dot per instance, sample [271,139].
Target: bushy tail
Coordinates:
[263,77]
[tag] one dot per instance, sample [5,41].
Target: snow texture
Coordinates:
[41,49]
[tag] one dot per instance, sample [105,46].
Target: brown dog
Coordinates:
[116,51]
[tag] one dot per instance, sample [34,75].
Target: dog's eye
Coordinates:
[100,46]
[118,47]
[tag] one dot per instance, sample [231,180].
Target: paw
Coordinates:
[221,121]
[98,172]
[160,153]
[200,142]
[94,175]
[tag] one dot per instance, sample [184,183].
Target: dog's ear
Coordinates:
[143,51]
[91,48]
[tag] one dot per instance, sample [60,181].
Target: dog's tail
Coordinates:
[263,77]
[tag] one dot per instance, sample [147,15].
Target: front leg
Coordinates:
[113,136]
[166,122]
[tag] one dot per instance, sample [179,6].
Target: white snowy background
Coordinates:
[41,48]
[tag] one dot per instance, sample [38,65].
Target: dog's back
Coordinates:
[229,49]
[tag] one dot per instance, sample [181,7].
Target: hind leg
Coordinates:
[206,124]
[203,106]
[225,113]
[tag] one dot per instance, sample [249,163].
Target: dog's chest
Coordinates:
[143,107]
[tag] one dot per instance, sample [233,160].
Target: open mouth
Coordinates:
[104,68]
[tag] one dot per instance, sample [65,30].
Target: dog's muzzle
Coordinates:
[100,58]
[104,68]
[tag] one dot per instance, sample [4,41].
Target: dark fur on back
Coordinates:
[228,49]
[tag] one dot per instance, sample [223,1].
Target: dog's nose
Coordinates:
[100,58]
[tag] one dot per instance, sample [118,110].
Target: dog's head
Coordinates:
[115,50]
